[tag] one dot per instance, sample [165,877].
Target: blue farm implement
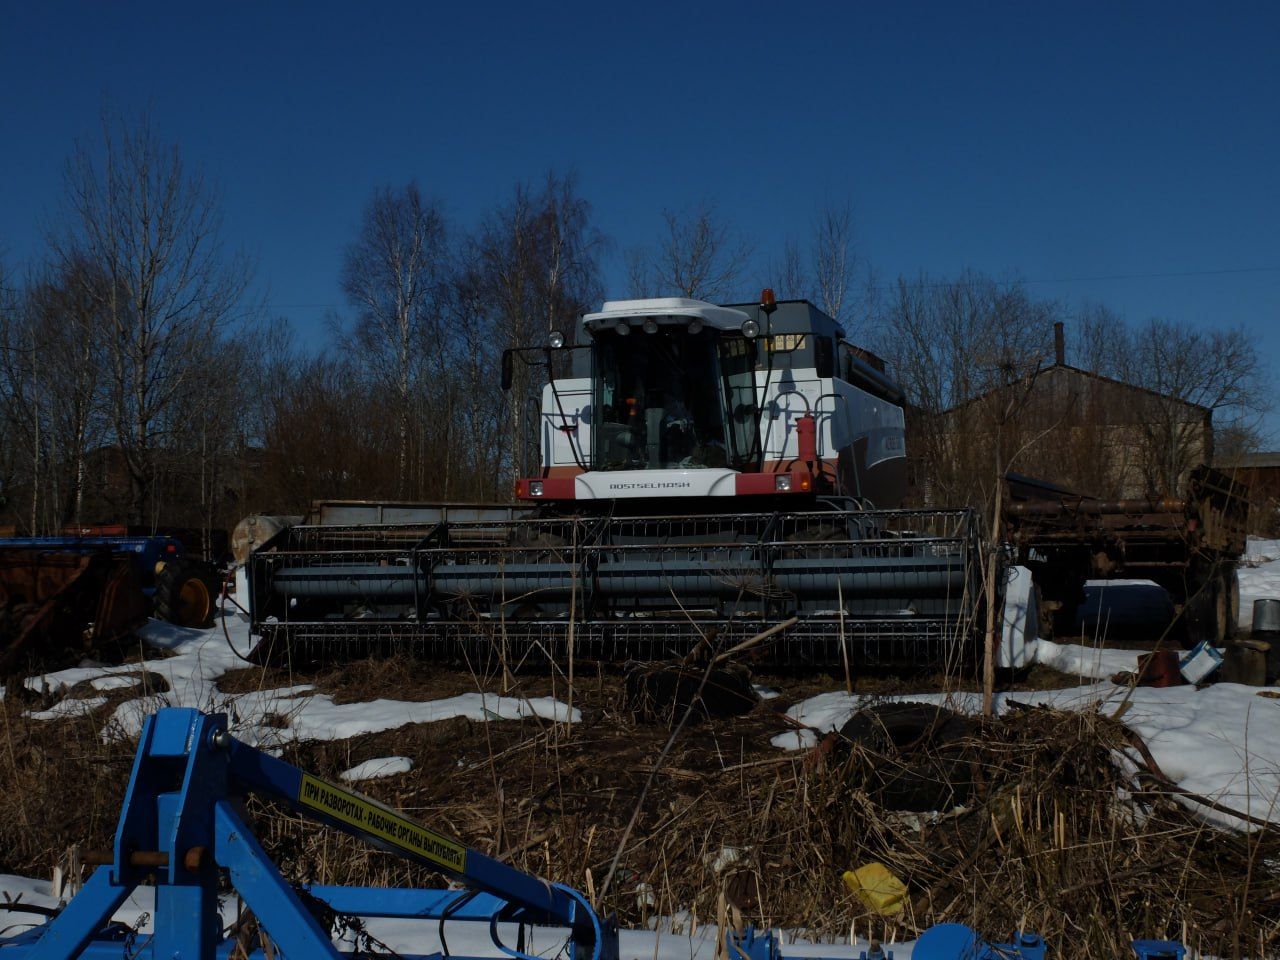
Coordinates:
[69,595]
[182,830]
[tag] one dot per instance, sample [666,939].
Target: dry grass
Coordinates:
[1047,843]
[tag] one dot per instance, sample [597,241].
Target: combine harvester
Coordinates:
[182,830]
[706,472]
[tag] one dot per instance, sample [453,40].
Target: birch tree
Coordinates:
[71,347]
[834,260]
[697,256]
[394,277]
[536,269]
[162,279]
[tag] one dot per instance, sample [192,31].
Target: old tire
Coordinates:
[903,726]
[187,592]
[918,753]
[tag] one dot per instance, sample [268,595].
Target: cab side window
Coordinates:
[824,356]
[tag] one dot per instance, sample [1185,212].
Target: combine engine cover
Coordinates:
[708,473]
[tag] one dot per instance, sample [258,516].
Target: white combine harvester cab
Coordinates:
[679,398]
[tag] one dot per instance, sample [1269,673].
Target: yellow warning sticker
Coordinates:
[378,821]
[785,342]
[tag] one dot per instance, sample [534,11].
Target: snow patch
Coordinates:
[266,718]
[115,682]
[1259,550]
[377,767]
[68,708]
[137,911]
[1080,660]
[1221,742]
[1260,581]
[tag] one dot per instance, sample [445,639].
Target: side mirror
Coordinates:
[507,370]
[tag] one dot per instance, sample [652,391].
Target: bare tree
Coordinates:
[23,403]
[698,256]
[1190,377]
[787,275]
[151,229]
[535,268]
[394,276]
[327,433]
[958,347]
[969,353]
[8,448]
[834,259]
[74,330]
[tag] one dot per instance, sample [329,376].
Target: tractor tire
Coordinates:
[187,592]
[920,755]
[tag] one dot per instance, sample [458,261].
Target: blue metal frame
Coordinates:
[181,829]
[145,552]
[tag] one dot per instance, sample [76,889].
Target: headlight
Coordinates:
[622,328]
[695,325]
[782,483]
[535,488]
[750,329]
[556,339]
[651,325]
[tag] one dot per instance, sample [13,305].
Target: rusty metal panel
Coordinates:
[54,604]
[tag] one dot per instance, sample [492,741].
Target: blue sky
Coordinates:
[1063,143]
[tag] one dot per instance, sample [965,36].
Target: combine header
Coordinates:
[707,472]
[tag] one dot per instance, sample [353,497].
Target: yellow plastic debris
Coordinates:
[877,887]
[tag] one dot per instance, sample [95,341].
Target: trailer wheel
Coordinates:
[1231,594]
[1206,613]
[187,593]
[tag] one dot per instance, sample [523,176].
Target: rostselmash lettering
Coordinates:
[652,485]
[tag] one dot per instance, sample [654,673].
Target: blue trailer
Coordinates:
[77,594]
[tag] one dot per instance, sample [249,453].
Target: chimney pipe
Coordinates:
[1059,344]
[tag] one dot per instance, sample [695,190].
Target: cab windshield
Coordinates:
[660,402]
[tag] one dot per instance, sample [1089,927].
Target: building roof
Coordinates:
[1068,369]
[1249,461]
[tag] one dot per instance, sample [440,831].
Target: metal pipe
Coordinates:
[1057,508]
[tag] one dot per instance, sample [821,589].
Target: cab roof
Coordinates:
[666,308]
